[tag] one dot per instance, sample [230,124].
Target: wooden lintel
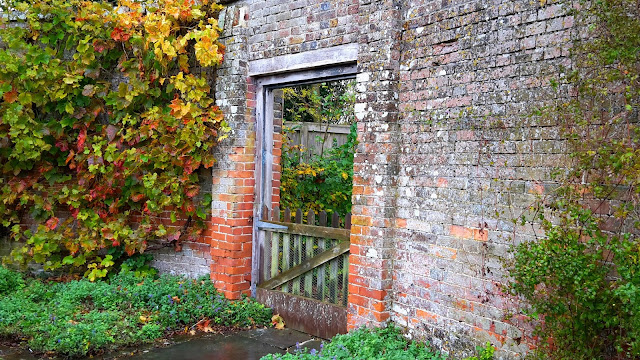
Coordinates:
[309,230]
[306,265]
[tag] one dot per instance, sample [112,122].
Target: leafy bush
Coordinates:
[323,184]
[380,343]
[582,280]
[10,281]
[484,353]
[329,102]
[106,116]
[82,317]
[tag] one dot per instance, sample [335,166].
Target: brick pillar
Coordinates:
[233,175]
[375,164]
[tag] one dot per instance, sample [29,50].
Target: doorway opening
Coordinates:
[304,178]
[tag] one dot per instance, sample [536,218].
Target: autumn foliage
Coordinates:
[107,115]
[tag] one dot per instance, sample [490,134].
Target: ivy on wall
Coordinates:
[106,114]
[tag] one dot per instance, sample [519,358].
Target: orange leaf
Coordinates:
[11,96]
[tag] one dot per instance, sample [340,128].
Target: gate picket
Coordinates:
[297,251]
[286,248]
[322,270]
[266,261]
[333,270]
[305,259]
[308,277]
[275,245]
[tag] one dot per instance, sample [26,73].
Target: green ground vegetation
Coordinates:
[79,317]
[386,343]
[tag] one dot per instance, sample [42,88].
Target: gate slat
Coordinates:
[297,251]
[275,245]
[321,272]
[345,279]
[308,278]
[333,265]
[287,215]
[286,249]
[322,258]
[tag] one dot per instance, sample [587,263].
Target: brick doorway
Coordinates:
[301,310]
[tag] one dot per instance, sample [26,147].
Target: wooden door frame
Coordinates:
[264,140]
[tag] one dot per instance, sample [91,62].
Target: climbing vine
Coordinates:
[106,117]
[582,279]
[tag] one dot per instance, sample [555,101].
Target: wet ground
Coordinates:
[241,345]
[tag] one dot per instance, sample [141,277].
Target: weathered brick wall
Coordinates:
[233,175]
[287,27]
[447,156]
[469,160]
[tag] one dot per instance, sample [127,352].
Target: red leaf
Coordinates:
[137,197]
[119,35]
[192,191]
[99,46]
[52,223]
[174,237]
[70,157]
[11,96]
[82,137]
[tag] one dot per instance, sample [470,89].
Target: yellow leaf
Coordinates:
[277,321]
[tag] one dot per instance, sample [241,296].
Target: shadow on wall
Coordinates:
[5,244]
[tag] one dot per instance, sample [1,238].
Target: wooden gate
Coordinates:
[304,267]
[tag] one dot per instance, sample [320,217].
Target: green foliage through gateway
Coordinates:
[106,115]
[582,280]
[323,184]
[82,317]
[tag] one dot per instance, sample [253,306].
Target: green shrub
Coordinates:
[381,343]
[581,282]
[325,183]
[82,317]
[9,281]
[484,353]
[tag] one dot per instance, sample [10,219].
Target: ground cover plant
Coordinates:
[106,117]
[386,343]
[80,317]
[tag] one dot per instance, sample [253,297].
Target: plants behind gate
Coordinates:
[322,181]
[583,278]
[106,117]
